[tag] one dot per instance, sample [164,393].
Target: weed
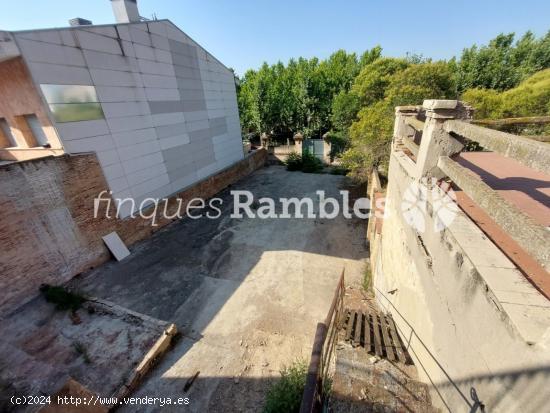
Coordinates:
[338,170]
[367,279]
[285,396]
[63,299]
[294,162]
[310,163]
[81,350]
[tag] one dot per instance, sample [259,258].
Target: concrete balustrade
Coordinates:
[475,321]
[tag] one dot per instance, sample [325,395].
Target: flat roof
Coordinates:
[525,188]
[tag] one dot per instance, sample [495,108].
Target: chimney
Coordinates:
[78,21]
[126,11]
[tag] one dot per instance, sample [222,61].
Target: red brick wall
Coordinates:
[48,232]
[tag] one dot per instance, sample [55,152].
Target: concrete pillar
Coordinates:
[298,139]
[435,141]
[400,128]
[264,140]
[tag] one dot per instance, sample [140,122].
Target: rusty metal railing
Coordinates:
[326,337]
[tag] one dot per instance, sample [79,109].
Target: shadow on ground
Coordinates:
[245,293]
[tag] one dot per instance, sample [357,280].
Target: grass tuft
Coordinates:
[81,350]
[367,279]
[285,396]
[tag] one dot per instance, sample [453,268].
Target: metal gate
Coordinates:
[314,146]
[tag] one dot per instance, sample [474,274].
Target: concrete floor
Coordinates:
[246,293]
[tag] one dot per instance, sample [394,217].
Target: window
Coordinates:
[72,103]
[36,130]
[6,138]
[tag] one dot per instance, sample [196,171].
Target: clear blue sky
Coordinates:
[245,33]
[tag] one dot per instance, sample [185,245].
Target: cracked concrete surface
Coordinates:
[245,293]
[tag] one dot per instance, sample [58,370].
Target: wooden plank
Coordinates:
[396,341]
[377,340]
[349,327]
[387,341]
[367,331]
[358,328]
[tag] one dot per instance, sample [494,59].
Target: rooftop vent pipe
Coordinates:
[126,11]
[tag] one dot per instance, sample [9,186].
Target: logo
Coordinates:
[420,196]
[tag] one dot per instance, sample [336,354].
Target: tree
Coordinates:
[345,106]
[282,99]
[503,64]
[530,98]
[371,133]
[371,83]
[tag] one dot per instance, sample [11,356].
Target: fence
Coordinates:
[326,337]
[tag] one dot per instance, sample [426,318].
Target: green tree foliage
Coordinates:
[371,83]
[407,84]
[283,99]
[345,106]
[353,98]
[530,98]
[503,64]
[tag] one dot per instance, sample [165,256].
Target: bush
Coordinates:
[310,163]
[530,98]
[487,102]
[294,162]
[307,162]
[285,396]
[63,299]
[338,170]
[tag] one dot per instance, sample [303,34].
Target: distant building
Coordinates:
[159,111]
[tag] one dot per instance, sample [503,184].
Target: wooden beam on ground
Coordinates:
[387,342]
[377,340]
[358,328]
[349,327]
[368,327]
[396,340]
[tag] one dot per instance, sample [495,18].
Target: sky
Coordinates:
[244,33]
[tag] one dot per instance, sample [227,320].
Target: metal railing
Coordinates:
[326,337]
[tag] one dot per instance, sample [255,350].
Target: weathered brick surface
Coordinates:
[47,230]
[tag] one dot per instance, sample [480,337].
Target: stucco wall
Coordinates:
[49,233]
[19,97]
[477,329]
[171,115]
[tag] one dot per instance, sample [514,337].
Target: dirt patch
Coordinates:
[42,348]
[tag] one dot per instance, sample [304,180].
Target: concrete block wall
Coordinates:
[171,115]
[475,327]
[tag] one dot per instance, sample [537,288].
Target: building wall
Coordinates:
[475,327]
[171,115]
[49,233]
[19,97]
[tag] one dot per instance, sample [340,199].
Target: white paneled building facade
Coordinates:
[159,111]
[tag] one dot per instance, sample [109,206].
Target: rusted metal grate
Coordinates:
[375,332]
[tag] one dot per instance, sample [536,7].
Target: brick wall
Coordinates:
[48,232]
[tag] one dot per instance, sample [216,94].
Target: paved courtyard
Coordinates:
[245,293]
